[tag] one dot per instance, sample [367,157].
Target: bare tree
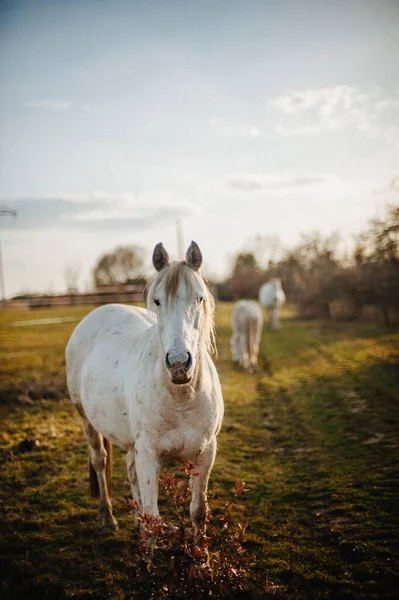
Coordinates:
[377,263]
[245,260]
[121,266]
[71,274]
[244,281]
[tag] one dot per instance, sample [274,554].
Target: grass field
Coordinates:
[314,434]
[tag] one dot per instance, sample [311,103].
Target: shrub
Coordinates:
[213,566]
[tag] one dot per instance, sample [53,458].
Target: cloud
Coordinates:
[387,105]
[336,108]
[290,131]
[247,184]
[240,131]
[98,211]
[40,213]
[48,104]
[255,183]
[325,100]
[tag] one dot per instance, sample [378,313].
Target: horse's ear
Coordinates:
[194,256]
[160,258]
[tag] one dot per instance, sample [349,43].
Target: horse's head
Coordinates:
[184,308]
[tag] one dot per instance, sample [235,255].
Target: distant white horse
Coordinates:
[272,297]
[147,383]
[246,325]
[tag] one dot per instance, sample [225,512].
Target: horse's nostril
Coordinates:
[189,361]
[167,360]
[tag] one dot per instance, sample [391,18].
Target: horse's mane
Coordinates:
[170,277]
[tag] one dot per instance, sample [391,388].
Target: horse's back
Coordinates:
[246,311]
[107,321]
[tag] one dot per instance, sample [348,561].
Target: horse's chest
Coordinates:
[183,441]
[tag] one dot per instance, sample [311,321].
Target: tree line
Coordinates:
[314,274]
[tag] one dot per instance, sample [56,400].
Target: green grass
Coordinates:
[314,434]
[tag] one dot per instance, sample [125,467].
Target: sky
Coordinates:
[124,122]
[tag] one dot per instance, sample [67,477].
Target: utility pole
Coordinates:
[4,212]
[179,235]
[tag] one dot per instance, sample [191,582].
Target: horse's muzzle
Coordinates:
[179,371]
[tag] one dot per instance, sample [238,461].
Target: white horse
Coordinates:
[246,325]
[148,384]
[272,297]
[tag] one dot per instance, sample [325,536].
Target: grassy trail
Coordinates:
[314,434]
[319,450]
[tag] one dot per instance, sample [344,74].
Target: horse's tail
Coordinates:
[94,487]
[251,340]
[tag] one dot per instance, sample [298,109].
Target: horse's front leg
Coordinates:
[134,484]
[147,471]
[199,487]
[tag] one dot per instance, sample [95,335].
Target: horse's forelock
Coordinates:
[170,279]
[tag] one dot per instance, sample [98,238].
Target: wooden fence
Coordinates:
[128,293]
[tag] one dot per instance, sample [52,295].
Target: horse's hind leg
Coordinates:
[244,350]
[98,460]
[270,318]
[258,335]
[134,484]
[276,324]
[234,345]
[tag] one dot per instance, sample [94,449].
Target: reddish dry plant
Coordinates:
[216,563]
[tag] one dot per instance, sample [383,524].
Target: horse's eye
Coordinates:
[200,299]
[157,302]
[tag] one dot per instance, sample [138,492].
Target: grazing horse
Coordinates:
[144,380]
[246,325]
[272,297]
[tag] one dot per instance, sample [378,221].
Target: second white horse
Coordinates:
[272,297]
[246,324]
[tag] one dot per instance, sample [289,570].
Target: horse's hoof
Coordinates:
[110,527]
